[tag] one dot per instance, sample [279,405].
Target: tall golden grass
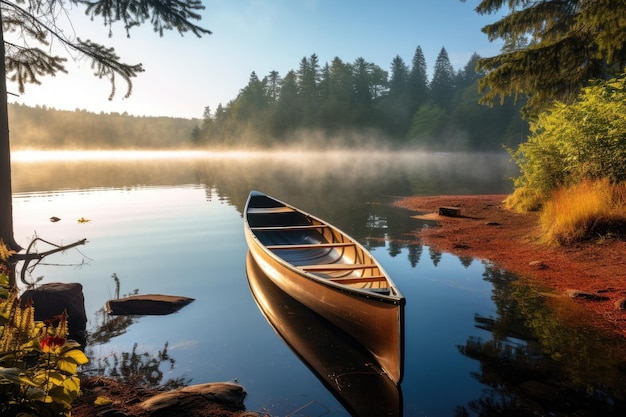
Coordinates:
[586,210]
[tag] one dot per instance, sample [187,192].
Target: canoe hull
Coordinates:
[375,320]
[344,366]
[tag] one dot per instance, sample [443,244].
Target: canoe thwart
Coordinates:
[358,280]
[270,210]
[310,246]
[279,228]
[337,267]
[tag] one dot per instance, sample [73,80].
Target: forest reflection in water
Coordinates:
[544,356]
[528,353]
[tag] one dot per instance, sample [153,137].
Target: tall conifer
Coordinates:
[572,41]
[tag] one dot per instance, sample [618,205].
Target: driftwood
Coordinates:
[38,256]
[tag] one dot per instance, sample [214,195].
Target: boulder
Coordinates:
[196,397]
[53,298]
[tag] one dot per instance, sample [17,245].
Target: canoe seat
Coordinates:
[270,210]
[279,228]
[337,267]
[359,280]
[310,246]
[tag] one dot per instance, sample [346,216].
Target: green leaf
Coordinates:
[10,374]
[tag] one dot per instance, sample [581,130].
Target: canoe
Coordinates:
[329,272]
[341,363]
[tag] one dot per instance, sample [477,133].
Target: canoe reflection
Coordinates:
[342,364]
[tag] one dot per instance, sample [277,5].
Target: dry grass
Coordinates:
[590,209]
[524,200]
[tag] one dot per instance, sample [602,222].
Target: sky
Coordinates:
[185,74]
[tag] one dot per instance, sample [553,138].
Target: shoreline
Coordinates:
[486,230]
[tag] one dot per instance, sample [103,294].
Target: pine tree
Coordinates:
[308,80]
[418,81]
[443,82]
[273,86]
[571,42]
[399,80]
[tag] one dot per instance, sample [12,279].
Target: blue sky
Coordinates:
[185,74]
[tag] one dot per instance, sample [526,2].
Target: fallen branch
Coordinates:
[27,257]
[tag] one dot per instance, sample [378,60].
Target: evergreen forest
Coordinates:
[46,128]
[341,104]
[334,105]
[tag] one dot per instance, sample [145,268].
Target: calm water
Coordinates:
[476,341]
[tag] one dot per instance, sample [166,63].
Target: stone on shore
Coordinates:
[584,295]
[53,298]
[196,397]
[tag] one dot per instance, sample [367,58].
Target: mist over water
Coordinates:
[396,173]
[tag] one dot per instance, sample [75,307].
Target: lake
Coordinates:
[477,342]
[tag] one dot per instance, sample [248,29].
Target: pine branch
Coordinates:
[26,65]
[162,14]
[106,64]
[36,20]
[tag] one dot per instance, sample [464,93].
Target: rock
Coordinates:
[620,304]
[53,298]
[461,246]
[538,265]
[195,397]
[450,211]
[146,305]
[583,295]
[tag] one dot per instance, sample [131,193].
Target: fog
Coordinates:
[235,173]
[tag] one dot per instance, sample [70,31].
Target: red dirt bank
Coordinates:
[487,230]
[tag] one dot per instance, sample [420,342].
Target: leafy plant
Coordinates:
[573,143]
[38,364]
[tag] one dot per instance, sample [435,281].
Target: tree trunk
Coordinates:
[6,193]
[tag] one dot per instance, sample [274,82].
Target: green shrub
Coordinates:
[38,364]
[572,143]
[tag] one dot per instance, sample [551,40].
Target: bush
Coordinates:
[572,143]
[591,208]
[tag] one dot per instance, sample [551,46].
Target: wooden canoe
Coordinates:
[329,272]
[342,364]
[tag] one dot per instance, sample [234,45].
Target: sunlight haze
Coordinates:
[183,75]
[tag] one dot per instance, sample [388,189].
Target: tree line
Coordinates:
[360,100]
[41,127]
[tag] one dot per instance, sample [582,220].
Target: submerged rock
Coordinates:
[146,305]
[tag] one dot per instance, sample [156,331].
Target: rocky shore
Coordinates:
[593,272]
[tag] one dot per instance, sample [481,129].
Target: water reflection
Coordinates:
[544,357]
[339,362]
[133,367]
